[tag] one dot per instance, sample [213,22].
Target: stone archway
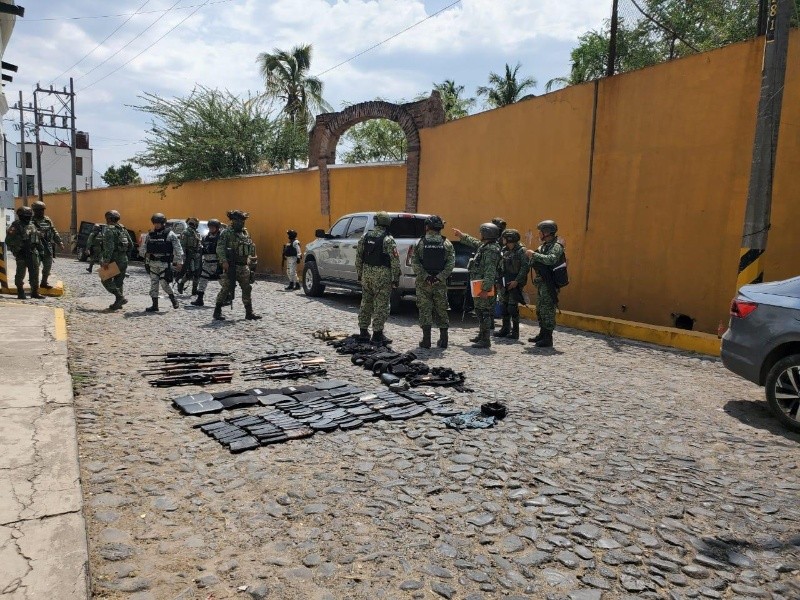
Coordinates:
[411,117]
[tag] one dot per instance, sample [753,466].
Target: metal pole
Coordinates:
[38,148]
[765,144]
[24,181]
[5,162]
[73,220]
[612,42]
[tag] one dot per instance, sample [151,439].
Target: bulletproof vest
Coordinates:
[209,243]
[28,232]
[289,249]
[433,255]
[191,239]
[159,246]
[373,251]
[45,226]
[511,263]
[242,246]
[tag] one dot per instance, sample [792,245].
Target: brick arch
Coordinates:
[411,116]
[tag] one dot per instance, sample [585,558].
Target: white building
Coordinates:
[56,165]
[9,12]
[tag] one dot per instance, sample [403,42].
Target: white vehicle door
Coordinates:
[349,246]
[329,255]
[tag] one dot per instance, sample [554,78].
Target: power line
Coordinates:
[147,12]
[85,56]
[186,18]
[344,62]
[136,37]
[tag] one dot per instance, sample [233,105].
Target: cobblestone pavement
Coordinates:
[622,470]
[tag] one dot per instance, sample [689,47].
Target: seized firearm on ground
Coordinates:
[192,379]
[281,355]
[181,357]
[173,369]
[286,369]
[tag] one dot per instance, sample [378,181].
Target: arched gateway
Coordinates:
[411,116]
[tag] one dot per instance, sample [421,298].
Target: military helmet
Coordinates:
[489,231]
[158,218]
[383,219]
[113,215]
[24,211]
[214,223]
[237,215]
[434,222]
[38,206]
[292,234]
[192,222]
[549,227]
[511,235]
[500,223]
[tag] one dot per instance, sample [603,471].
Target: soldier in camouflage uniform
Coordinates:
[117,243]
[513,277]
[378,270]
[161,249]
[190,242]
[24,241]
[94,246]
[209,268]
[49,237]
[433,261]
[483,266]
[237,253]
[548,255]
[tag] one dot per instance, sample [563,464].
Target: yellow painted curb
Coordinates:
[694,341]
[56,290]
[60,324]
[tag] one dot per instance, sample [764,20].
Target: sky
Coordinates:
[116,51]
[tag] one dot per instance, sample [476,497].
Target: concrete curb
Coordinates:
[43,542]
[694,341]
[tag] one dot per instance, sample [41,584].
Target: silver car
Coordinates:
[762,343]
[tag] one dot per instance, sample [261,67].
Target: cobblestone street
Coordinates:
[622,469]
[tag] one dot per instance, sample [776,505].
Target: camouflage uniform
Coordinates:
[549,254]
[483,266]
[238,250]
[94,246]
[49,237]
[377,280]
[116,245]
[513,267]
[432,295]
[24,241]
[190,241]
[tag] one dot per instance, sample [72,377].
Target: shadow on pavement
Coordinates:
[759,416]
[533,350]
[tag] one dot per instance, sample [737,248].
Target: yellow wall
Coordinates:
[671,166]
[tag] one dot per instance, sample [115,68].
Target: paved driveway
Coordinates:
[621,470]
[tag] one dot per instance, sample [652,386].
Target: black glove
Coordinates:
[432,279]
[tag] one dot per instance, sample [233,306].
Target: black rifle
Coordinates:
[230,256]
[279,355]
[193,379]
[186,368]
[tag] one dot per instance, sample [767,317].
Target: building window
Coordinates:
[31,189]
[28,160]
[79,165]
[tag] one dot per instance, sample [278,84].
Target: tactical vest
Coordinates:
[191,240]
[242,246]
[433,255]
[373,251]
[209,244]
[512,263]
[289,250]
[45,226]
[159,246]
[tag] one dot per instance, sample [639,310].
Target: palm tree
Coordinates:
[505,89]
[286,78]
[454,105]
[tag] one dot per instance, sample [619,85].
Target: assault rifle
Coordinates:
[192,379]
[295,354]
[282,364]
[181,357]
[230,256]
[186,368]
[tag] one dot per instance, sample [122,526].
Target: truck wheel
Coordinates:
[311,280]
[394,302]
[783,390]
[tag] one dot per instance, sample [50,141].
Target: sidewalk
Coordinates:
[43,549]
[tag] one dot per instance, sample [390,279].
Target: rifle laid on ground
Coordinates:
[286,368]
[186,368]
[272,356]
[179,357]
[192,379]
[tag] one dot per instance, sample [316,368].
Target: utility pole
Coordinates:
[612,42]
[36,120]
[24,181]
[73,219]
[765,144]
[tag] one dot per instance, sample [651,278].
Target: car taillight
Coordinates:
[409,254]
[742,308]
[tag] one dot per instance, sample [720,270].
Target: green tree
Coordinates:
[505,89]
[207,135]
[376,140]
[286,78]
[125,175]
[455,106]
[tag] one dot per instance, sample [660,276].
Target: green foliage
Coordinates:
[455,107]
[505,89]
[209,134]
[376,140]
[125,175]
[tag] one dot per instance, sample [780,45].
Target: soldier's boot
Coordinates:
[45,285]
[379,338]
[478,337]
[514,335]
[199,301]
[173,300]
[290,286]
[442,341]
[505,329]
[484,339]
[122,300]
[89,268]
[153,308]
[425,342]
[194,288]
[181,285]
[363,335]
[547,339]
[218,316]
[35,293]
[21,293]
[538,336]
[249,314]
[118,302]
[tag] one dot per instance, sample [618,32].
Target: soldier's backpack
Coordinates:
[560,274]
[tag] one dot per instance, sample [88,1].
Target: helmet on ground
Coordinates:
[192,222]
[113,215]
[292,234]
[24,211]
[500,223]
[38,206]
[237,215]
[489,231]
[548,227]
[511,235]
[158,218]
[383,219]
[214,223]
[434,222]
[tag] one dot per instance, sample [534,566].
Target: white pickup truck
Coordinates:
[330,260]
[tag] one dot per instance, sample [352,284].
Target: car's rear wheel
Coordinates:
[311,281]
[783,390]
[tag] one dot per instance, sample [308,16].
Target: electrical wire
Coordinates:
[147,12]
